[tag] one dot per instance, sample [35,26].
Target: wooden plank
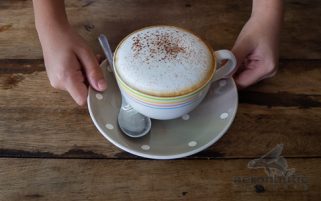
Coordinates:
[39,121]
[219,22]
[297,77]
[69,133]
[56,179]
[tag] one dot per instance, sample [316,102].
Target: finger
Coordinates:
[239,70]
[77,90]
[241,51]
[92,69]
[253,73]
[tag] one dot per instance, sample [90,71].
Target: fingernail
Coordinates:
[102,84]
[80,101]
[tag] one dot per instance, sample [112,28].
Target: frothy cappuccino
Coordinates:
[164,61]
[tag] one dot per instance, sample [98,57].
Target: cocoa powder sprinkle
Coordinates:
[159,43]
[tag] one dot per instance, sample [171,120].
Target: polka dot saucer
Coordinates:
[168,139]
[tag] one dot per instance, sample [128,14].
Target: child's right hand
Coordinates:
[70,63]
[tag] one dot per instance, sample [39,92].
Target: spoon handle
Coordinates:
[106,48]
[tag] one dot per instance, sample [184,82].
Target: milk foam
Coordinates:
[164,61]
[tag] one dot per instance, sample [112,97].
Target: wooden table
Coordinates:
[50,149]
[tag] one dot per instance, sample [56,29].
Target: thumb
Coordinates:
[93,72]
[250,75]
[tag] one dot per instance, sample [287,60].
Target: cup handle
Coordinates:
[226,70]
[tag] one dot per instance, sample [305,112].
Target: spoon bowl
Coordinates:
[131,122]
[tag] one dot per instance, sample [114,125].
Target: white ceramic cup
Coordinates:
[172,102]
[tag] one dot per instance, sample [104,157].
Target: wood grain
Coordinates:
[39,121]
[218,22]
[45,179]
[50,149]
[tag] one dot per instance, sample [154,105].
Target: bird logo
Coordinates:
[273,163]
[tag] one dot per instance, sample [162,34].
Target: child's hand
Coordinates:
[256,47]
[70,63]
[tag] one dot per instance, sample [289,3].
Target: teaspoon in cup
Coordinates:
[130,121]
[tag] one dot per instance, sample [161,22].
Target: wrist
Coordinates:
[50,32]
[267,10]
[268,15]
[48,27]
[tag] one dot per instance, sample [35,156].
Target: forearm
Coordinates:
[50,15]
[51,21]
[271,11]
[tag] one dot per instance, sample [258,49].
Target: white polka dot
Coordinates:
[185,117]
[192,143]
[224,115]
[145,147]
[222,83]
[99,96]
[109,126]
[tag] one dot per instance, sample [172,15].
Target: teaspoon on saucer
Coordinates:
[131,122]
